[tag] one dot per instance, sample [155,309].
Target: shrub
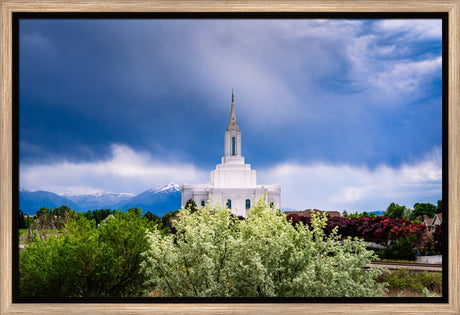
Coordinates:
[378,229]
[214,254]
[416,281]
[86,261]
[402,249]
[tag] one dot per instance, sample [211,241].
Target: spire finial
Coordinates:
[232,123]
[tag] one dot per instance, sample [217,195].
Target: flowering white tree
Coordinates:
[215,254]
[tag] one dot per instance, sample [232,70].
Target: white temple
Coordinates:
[233,183]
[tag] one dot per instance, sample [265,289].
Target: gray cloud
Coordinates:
[317,185]
[359,93]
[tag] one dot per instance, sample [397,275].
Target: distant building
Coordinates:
[432,223]
[427,221]
[233,183]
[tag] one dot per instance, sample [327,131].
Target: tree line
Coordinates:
[58,217]
[396,211]
[400,229]
[204,252]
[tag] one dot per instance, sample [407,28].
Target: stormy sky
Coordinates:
[344,114]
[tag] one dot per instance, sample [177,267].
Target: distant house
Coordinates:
[437,220]
[428,222]
[432,223]
[309,212]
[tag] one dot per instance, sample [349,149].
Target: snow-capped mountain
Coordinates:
[98,200]
[157,200]
[173,187]
[31,201]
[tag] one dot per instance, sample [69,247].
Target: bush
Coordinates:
[378,229]
[214,254]
[416,281]
[403,249]
[86,261]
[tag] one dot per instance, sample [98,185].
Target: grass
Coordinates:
[407,293]
[409,284]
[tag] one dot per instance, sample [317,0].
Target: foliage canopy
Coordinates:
[395,211]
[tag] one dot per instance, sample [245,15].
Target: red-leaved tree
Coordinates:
[381,230]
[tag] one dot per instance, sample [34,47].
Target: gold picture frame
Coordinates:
[8,7]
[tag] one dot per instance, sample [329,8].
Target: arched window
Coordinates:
[229,203]
[203,203]
[272,204]
[248,203]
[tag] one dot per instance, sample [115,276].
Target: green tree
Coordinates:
[395,211]
[43,211]
[61,215]
[87,261]
[364,214]
[421,209]
[22,220]
[61,211]
[98,215]
[404,248]
[166,225]
[191,205]
[43,220]
[135,211]
[215,254]
[152,217]
[439,208]
[55,267]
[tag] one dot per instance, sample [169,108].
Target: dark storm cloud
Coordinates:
[363,93]
[92,83]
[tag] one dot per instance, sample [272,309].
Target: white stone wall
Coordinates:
[238,196]
[233,176]
[195,192]
[228,142]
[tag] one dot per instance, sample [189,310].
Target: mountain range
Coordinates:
[157,200]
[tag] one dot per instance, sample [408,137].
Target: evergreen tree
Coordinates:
[191,205]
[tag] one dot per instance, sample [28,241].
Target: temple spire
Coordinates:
[232,123]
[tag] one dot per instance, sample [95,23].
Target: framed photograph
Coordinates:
[291,120]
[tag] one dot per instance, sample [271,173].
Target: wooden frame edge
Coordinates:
[230,6]
[5,161]
[451,7]
[454,156]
